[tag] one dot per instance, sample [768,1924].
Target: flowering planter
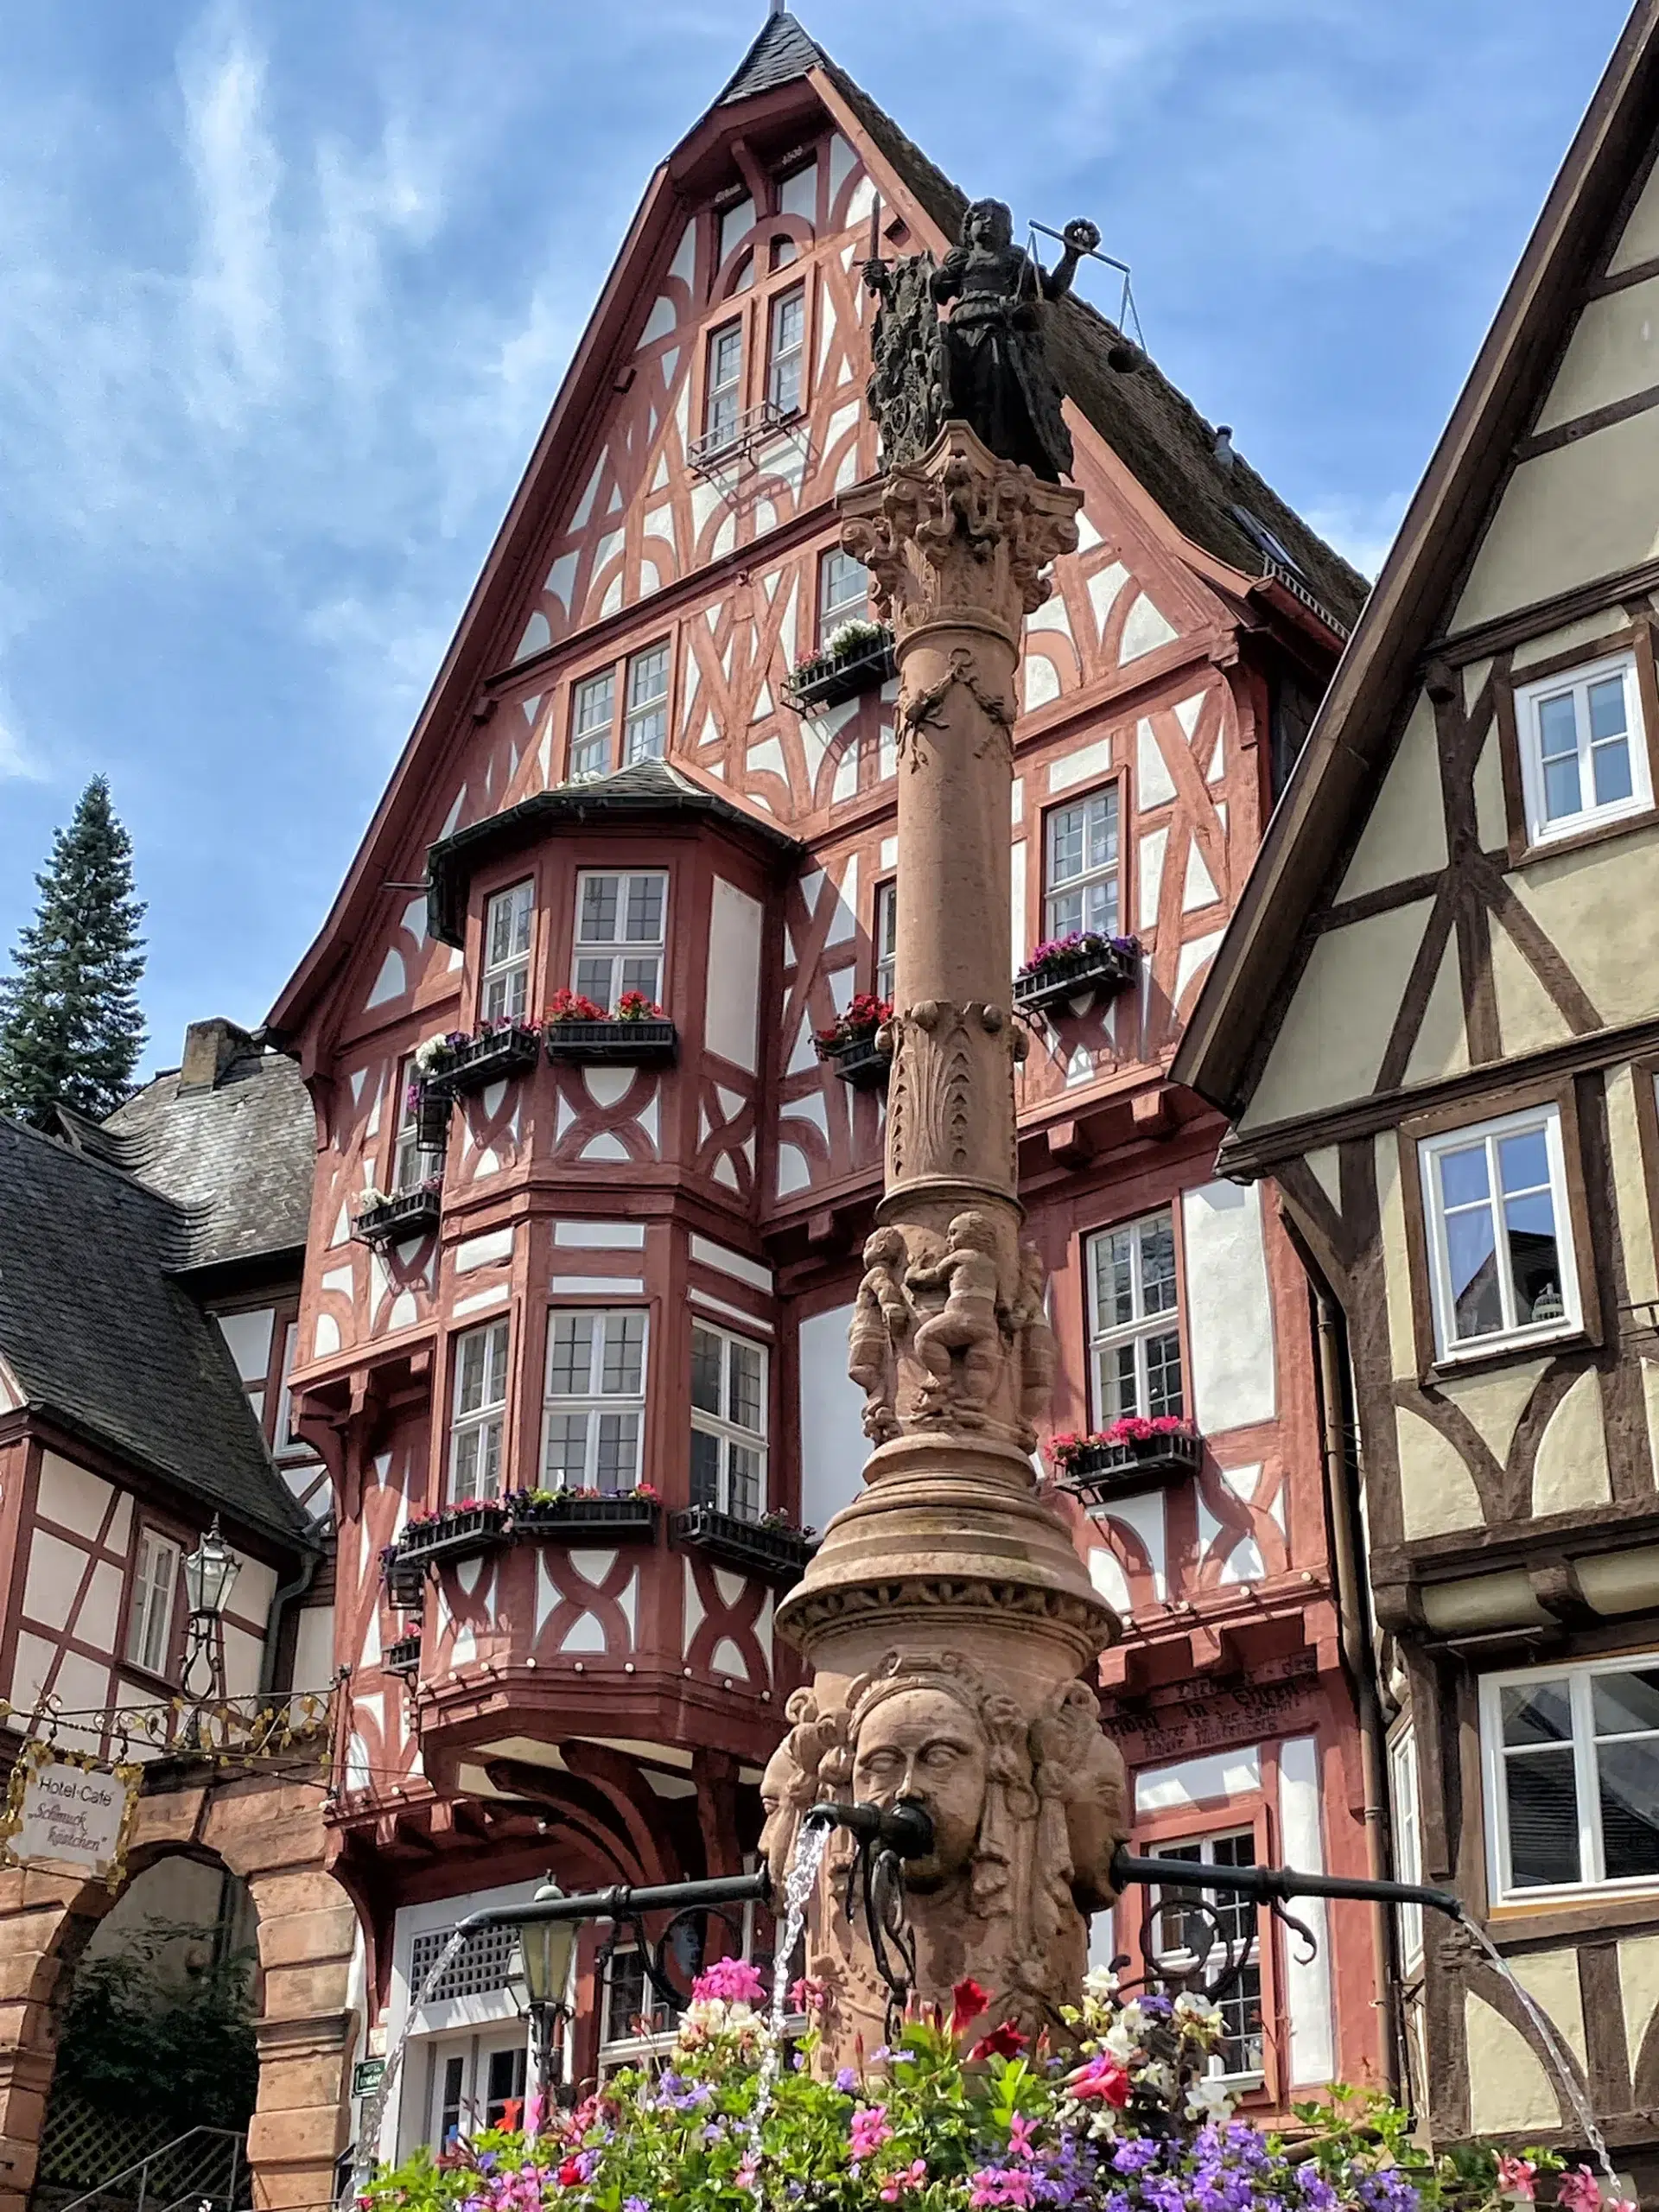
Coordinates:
[403,1657]
[828,679]
[779,1554]
[486,1059]
[464,1534]
[1097,1473]
[861,1062]
[1100,973]
[626,1518]
[626,1044]
[408,1213]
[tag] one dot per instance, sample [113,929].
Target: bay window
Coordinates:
[728,1422]
[593,1417]
[478,1411]
[507,918]
[621,935]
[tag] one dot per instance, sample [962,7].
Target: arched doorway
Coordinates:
[156,2069]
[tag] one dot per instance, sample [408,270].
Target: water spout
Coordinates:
[811,1844]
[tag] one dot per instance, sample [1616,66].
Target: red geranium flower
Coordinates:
[967,2001]
[569,2174]
[1005,2041]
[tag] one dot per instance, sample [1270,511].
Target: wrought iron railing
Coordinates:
[204,2168]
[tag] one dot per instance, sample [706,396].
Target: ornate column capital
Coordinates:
[960,538]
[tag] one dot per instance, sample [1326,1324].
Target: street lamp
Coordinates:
[546,1949]
[209,1572]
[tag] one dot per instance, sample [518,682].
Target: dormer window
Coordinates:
[506,993]
[1584,748]
[786,350]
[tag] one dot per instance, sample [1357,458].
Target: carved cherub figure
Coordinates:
[1038,1355]
[881,1319]
[969,1323]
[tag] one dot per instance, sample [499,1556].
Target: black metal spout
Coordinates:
[1275,1884]
[624,1902]
[906,1829]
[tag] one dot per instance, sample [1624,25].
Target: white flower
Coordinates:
[708,2013]
[1191,2007]
[1121,2042]
[1100,1982]
[1159,2076]
[1209,2099]
[1103,2123]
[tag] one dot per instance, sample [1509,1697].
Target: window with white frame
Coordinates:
[594,1418]
[1583,751]
[285,1443]
[644,736]
[844,593]
[1135,1319]
[621,933]
[478,1414]
[593,716]
[632,2013]
[786,350]
[412,1162]
[1571,1756]
[728,1422]
[507,917]
[886,939]
[1080,882]
[1224,1935]
[723,401]
[149,1618]
[1500,1239]
[1408,1842]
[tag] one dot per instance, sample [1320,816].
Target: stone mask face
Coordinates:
[921,1744]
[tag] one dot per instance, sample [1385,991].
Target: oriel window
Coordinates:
[728,1422]
[478,1411]
[594,1415]
[507,920]
[886,938]
[1572,1758]
[621,925]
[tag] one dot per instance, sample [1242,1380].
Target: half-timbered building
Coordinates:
[1434,1021]
[149,1278]
[573,1334]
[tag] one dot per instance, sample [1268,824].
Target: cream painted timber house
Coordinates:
[1434,1023]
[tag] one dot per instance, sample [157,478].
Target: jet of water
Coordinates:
[811,1844]
[368,2139]
[1552,2043]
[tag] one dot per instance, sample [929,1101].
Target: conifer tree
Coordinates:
[71,1027]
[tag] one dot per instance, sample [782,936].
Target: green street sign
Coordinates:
[368,2075]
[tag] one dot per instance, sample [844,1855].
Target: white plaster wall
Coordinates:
[732,1012]
[1308,1987]
[253,1590]
[313,1649]
[833,1447]
[71,1497]
[1209,1780]
[1405,834]
[1336,1029]
[54,1578]
[1230,1317]
[243,1656]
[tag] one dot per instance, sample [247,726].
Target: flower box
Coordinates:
[487,1058]
[406,1213]
[1121,1461]
[405,1580]
[779,1554]
[1068,967]
[403,1657]
[628,1517]
[850,1043]
[463,1532]
[865,662]
[626,1044]
[861,1062]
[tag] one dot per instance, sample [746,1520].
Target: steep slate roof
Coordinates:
[98,1333]
[650,790]
[781,52]
[236,1159]
[1353,737]
[1154,430]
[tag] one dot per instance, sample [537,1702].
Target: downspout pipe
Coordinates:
[1353,1613]
[285,1594]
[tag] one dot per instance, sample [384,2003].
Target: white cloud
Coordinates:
[233,318]
[1361,529]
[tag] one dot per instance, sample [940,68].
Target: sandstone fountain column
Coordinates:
[947,1617]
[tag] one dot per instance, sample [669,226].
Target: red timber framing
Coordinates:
[607,1706]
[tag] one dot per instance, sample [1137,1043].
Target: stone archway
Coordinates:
[270,1834]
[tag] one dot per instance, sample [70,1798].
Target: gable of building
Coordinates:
[1416,913]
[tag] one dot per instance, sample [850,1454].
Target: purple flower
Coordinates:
[847,2081]
[635,2204]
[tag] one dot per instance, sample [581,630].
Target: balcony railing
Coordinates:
[404,1214]
[737,440]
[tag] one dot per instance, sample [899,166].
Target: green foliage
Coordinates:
[1128,2119]
[71,1027]
[137,2046]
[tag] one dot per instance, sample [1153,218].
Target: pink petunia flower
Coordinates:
[1516,2177]
[1577,2190]
[734,1981]
[914,2176]
[869,2130]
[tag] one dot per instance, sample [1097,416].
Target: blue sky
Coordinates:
[287,287]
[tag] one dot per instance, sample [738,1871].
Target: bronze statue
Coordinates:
[985,366]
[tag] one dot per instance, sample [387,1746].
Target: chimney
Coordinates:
[209,1048]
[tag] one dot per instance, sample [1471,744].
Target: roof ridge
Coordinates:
[781,52]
